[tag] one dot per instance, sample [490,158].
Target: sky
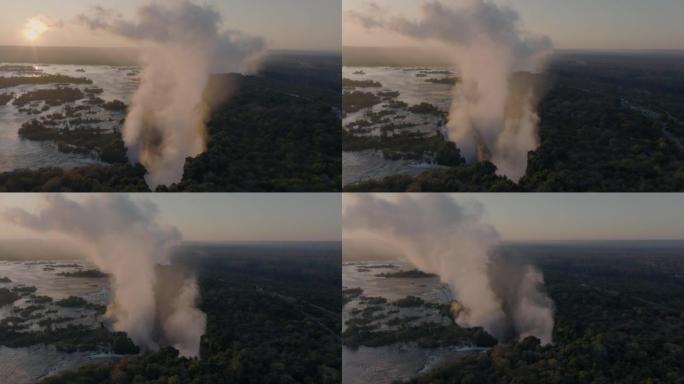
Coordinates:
[285,24]
[580,217]
[231,217]
[235,217]
[572,24]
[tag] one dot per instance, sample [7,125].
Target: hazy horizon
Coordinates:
[217,218]
[411,47]
[133,48]
[281,24]
[415,55]
[62,249]
[560,217]
[577,25]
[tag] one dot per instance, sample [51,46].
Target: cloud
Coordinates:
[490,118]
[452,240]
[125,239]
[182,45]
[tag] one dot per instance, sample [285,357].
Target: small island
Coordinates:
[375,322]
[349,294]
[6,98]
[426,109]
[52,97]
[77,302]
[357,100]
[8,82]
[412,274]
[349,83]
[108,146]
[7,297]
[443,80]
[89,273]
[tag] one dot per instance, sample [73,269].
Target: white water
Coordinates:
[19,154]
[369,165]
[384,365]
[28,365]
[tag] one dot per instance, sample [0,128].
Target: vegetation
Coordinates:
[51,97]
[426,109]
[94,91]
[28,69]
[389,94]
[265,139]
[612,124]
[41,299]
[109,146]
[357,100]
[5,98]
[349,83]
[410,301]
[77,302]
[412,274]
[118,177]
[272,317]
[406,145]
[15,331]
[349,294]
[616,322]
[427,336]
[72,265]
[7,297]
[89,273]
[8,82]
[115,105]
[474,177]
[72,338]
[605,146]
[443,80]
[363,328]
[278,132]
[24,291]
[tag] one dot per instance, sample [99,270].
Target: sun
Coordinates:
[34,29]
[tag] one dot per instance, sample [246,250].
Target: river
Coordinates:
[30,364]
[384,365]
[116,83]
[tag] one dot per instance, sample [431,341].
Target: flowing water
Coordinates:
[117,83]
[384,365]
[30,364]
[414,87]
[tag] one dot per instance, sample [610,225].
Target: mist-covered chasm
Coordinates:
[451,239]
[153,304]
[493,115]
[182,44]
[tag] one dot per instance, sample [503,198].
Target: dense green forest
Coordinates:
[268,140]
[273,316]
[619,319]
[608,123]
[278,132]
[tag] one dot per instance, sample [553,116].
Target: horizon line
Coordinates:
[134,48]
[555,49]
[37,239]
[589,241]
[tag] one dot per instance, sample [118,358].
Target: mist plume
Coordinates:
[182,45]
[493,114]
[124,239]
[438,235]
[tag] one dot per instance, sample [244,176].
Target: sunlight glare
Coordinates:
[34,29]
